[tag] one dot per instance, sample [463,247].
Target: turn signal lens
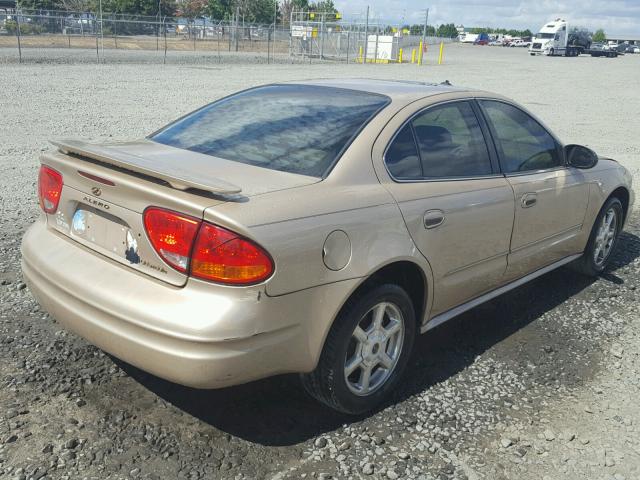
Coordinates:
[49,189]
[171,235]
[222,256]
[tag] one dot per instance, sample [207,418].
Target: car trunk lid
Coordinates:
[108,187]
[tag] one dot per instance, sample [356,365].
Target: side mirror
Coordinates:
[580,157]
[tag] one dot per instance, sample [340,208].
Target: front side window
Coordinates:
[523,143]
[300,129]
[451,142]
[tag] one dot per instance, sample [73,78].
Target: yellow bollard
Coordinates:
[360,55]
[400,56]
[420,54]
[441,52]
[413,56]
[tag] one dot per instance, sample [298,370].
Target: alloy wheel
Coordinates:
[605,237]
[374,349]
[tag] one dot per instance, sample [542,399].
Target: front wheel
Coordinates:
[603,239]
[365,352]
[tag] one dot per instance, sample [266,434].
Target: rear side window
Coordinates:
[523,144]
[451,142]
[402,156]
[300,129]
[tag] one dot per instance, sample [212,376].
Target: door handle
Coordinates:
[529,200]
[433,219]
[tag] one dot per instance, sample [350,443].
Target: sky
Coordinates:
[616,17]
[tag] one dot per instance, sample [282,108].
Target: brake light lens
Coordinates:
[223,257]
[49,189]
[204,250]
[171,235]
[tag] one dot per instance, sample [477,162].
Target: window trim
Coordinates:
[495,140]
[493,160]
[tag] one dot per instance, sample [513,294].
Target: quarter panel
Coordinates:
[377,235]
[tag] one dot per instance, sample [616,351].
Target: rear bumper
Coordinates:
[200,335]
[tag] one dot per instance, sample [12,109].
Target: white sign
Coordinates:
[384,47]
[301,31]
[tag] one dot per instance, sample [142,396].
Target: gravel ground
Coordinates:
[540,383]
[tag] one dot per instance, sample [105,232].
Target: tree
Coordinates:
[137,7]
[255,11]
[600,36]
[220,9]
[191,9]
[76,5]
[39,4]
[447,30]
[323,6]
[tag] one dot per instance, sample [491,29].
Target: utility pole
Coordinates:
[366,37]
[424,36]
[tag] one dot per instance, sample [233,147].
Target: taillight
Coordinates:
[171,235]
[204,250]
[221,256]
[49,189]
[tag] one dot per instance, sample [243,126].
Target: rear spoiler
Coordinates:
[167,171]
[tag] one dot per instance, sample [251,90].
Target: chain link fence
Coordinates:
[50,36]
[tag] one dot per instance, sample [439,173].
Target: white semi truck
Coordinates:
[553,39]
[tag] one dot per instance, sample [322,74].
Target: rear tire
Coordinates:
[365,352]
[602,240]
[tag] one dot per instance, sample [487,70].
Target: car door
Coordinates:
[457,207]
[551,198]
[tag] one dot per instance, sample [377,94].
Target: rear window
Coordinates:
[300,129]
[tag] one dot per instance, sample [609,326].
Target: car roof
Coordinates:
[402,90]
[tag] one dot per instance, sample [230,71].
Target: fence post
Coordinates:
[219,58]
[164,30]
[348,44]
[366,37]
[236,29]
[322,32]
[18,33]
[268,45]
[375,54]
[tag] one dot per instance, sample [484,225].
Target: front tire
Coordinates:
[603,239]
[365,352]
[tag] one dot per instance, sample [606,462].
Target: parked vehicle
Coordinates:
[313,227]
[555,38]
[482,39]
[602,50]
[467,37]
[520,43]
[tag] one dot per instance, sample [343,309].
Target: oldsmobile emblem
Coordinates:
[96,191]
